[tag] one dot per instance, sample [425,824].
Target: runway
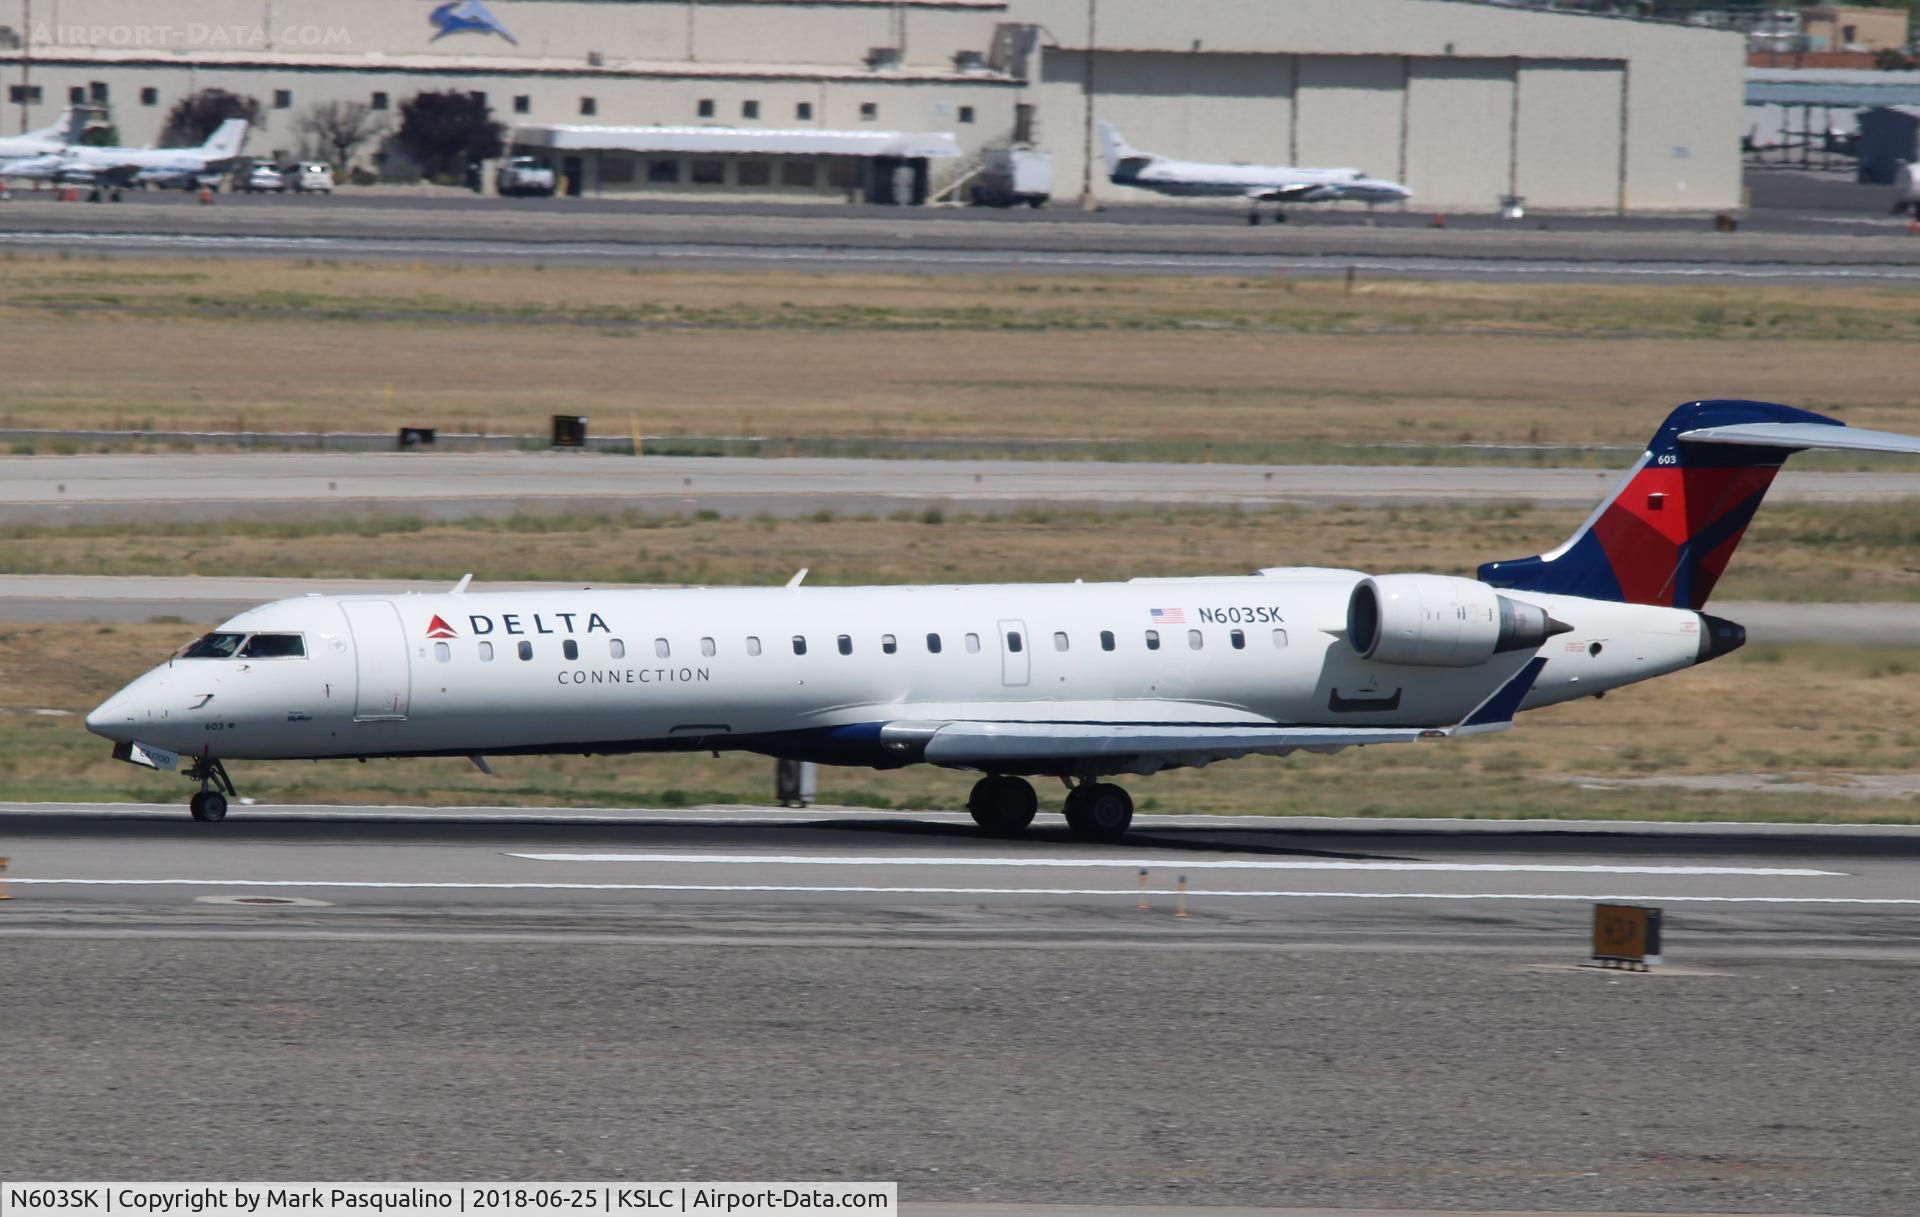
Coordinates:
[1349,1015]
[217,485]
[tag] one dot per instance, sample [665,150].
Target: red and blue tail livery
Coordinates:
[1666,534]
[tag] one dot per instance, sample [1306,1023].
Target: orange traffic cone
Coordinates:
[206,194]
[1439,220]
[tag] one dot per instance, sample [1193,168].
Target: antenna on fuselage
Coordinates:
[460,588]
[798,577]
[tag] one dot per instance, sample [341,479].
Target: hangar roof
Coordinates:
[804,142]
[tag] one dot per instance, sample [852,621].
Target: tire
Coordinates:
[208,806]
[1100,811]
[1002,805]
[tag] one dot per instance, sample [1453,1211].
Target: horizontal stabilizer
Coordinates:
[1496,713]
[1803,435]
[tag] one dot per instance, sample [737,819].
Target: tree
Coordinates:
[339,127]
[445,131]
[195,116]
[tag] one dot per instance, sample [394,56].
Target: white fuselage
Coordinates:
[1195,178]
[605,671]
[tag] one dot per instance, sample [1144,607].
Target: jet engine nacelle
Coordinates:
[1440,621]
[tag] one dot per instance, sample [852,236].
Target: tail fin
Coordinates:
[224,144]
[1669,529]
[67,128]
[1123,159]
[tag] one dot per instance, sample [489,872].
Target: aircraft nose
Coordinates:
[108,715]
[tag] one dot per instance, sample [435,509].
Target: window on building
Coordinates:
[888,644]
[1195,640]
[570,649]
[526,650]
[478,98]
[77,95]
[708,648]
[617,648]
[845,643]
[803,112]
[663,169]
[380,102]
[1239,639]
[708,173]
[973,644]
[753,173]
[149,96]
[661,649]
[486,652]
[1153,640]
[753,645]
[799,644]
[1106,640]
[966,114]
[522,103]
[843,173]
[799,173]
[24,95]
[706,107]
[97,92]
[442,652]
[933,644]
[1279,640]
[617,170]
[869,110]
[283,99]
[749,109]
[589,106]
[1059,640]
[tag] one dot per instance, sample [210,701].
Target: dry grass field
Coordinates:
[1257,368]
[1851,710]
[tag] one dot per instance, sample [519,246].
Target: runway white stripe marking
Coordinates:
[1129,892]
[1179,864]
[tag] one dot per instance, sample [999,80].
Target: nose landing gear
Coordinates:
[209,803]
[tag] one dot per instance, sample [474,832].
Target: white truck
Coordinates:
[1012,176]
[523,175]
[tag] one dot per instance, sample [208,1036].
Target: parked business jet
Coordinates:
[1077,681]
[112,169]
[47,140]
[1128,166]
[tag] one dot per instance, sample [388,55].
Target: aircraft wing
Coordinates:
[1298,192]
[1145,747]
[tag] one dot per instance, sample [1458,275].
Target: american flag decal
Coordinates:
[1172,616]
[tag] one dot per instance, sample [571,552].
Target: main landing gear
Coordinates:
[209,803]
[1004,806]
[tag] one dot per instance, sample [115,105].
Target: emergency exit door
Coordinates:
[1016,665]
[385,677]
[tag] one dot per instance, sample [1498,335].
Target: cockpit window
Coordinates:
[214,646]
[274,646]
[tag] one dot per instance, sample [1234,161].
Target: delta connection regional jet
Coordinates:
[1257,184]
[1075,681]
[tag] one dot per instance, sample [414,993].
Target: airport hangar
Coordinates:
[830,99]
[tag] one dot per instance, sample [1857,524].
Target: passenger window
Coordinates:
[933,644]
[1279,640]
[570,649]
[707,648]
[889,644]
[753,645]
[1239,639]
[442,652]
[526,650]
[1059,640]
[1106,640]
[973,644]
[846,645]
[274,646]
[799,645]
[1153,640]
[1013,641]
[1195,640]
[616,648]
[661,648]
[486,652]
[214,646]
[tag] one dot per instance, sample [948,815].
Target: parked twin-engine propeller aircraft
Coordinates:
[1076,681]
[1257,184]
[111,169]
[67,130]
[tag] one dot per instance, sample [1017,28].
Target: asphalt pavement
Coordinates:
[1391,1015]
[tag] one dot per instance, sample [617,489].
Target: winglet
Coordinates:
[1496,713]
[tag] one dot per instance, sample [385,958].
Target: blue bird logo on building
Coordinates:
[467,17]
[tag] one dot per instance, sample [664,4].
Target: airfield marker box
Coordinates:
[1626,935]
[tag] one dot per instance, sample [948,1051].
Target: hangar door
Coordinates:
[1346,113]
[1567,133]
[1459,132]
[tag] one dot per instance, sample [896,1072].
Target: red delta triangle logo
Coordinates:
[438,628]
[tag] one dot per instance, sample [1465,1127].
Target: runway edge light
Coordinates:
[1626,936]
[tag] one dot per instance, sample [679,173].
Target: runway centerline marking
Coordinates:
[1128,892]
[1508,868]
